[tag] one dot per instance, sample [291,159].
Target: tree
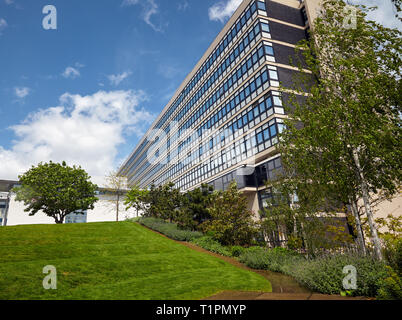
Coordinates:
[343,140]
[232,223]
[136,199]
[57,190]
[194,208]
[116,187]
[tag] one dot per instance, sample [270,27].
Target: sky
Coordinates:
[86,92]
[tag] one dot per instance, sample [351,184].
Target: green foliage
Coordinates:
[57,190]
[136,199]
[169,229]
[390,287]
[343,140]
[212,245]
[277,259]
[163,202]
[232,223]
[194,209]
[237,251]
[325,274]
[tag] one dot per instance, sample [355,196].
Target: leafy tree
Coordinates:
[136,199]
[57,190]
[194,209]
[163,202]
[116,186]
[343,140]
[232,223]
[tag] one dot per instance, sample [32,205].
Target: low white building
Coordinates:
[12,212]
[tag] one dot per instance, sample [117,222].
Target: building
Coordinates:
[12,212]
[222,123]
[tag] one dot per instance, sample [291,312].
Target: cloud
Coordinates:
[183,6]
[385,14]
[9,1]
[150,8]
[115,80]
[169,72]
[21,92]
[223,10]
[3,25]
[83,130]
[72,72]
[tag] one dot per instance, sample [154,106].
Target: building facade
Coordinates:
[12,212]
[223,122]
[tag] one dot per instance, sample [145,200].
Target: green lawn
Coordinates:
[111,261]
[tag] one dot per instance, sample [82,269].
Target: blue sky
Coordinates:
[86,92]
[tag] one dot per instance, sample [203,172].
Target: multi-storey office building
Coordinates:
[223,122]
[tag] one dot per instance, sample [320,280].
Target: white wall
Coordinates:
[103,212]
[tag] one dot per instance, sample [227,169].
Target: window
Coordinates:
[265,27]
[269,50]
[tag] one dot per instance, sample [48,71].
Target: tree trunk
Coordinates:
[360,237]
[117,207]
[367,206]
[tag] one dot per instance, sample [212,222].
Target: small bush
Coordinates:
[255,258]
[208,243]
[325,274]
[170,229]
[237,251]
[390,287]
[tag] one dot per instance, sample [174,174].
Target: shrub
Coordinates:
[169,229]
[325,274]
[277,260]
[208,243]
[390,287]
[237,251]
[393,254]
[255,258]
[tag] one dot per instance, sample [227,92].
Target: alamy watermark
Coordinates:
[50,281]
[49,22]
[350,281]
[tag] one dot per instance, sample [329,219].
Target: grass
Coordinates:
[108,261]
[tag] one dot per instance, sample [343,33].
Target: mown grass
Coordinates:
[104,261]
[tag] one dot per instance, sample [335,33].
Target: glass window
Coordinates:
[273,130]
[262,107]
[252,86]
[248,14]
[250,116]
[266,134]
[264,77]
[277,101]
[268,102]
[261,5]
[269,50]
[259,138]
[247,91]
[258,82]
[273,75]
[265,27]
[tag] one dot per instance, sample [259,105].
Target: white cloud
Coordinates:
[73,72]
[116,79]
[150,8]
[21,92]
[223,10]
[83,130]
[3,25]
[385,14]
[9,1]
[183,6]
